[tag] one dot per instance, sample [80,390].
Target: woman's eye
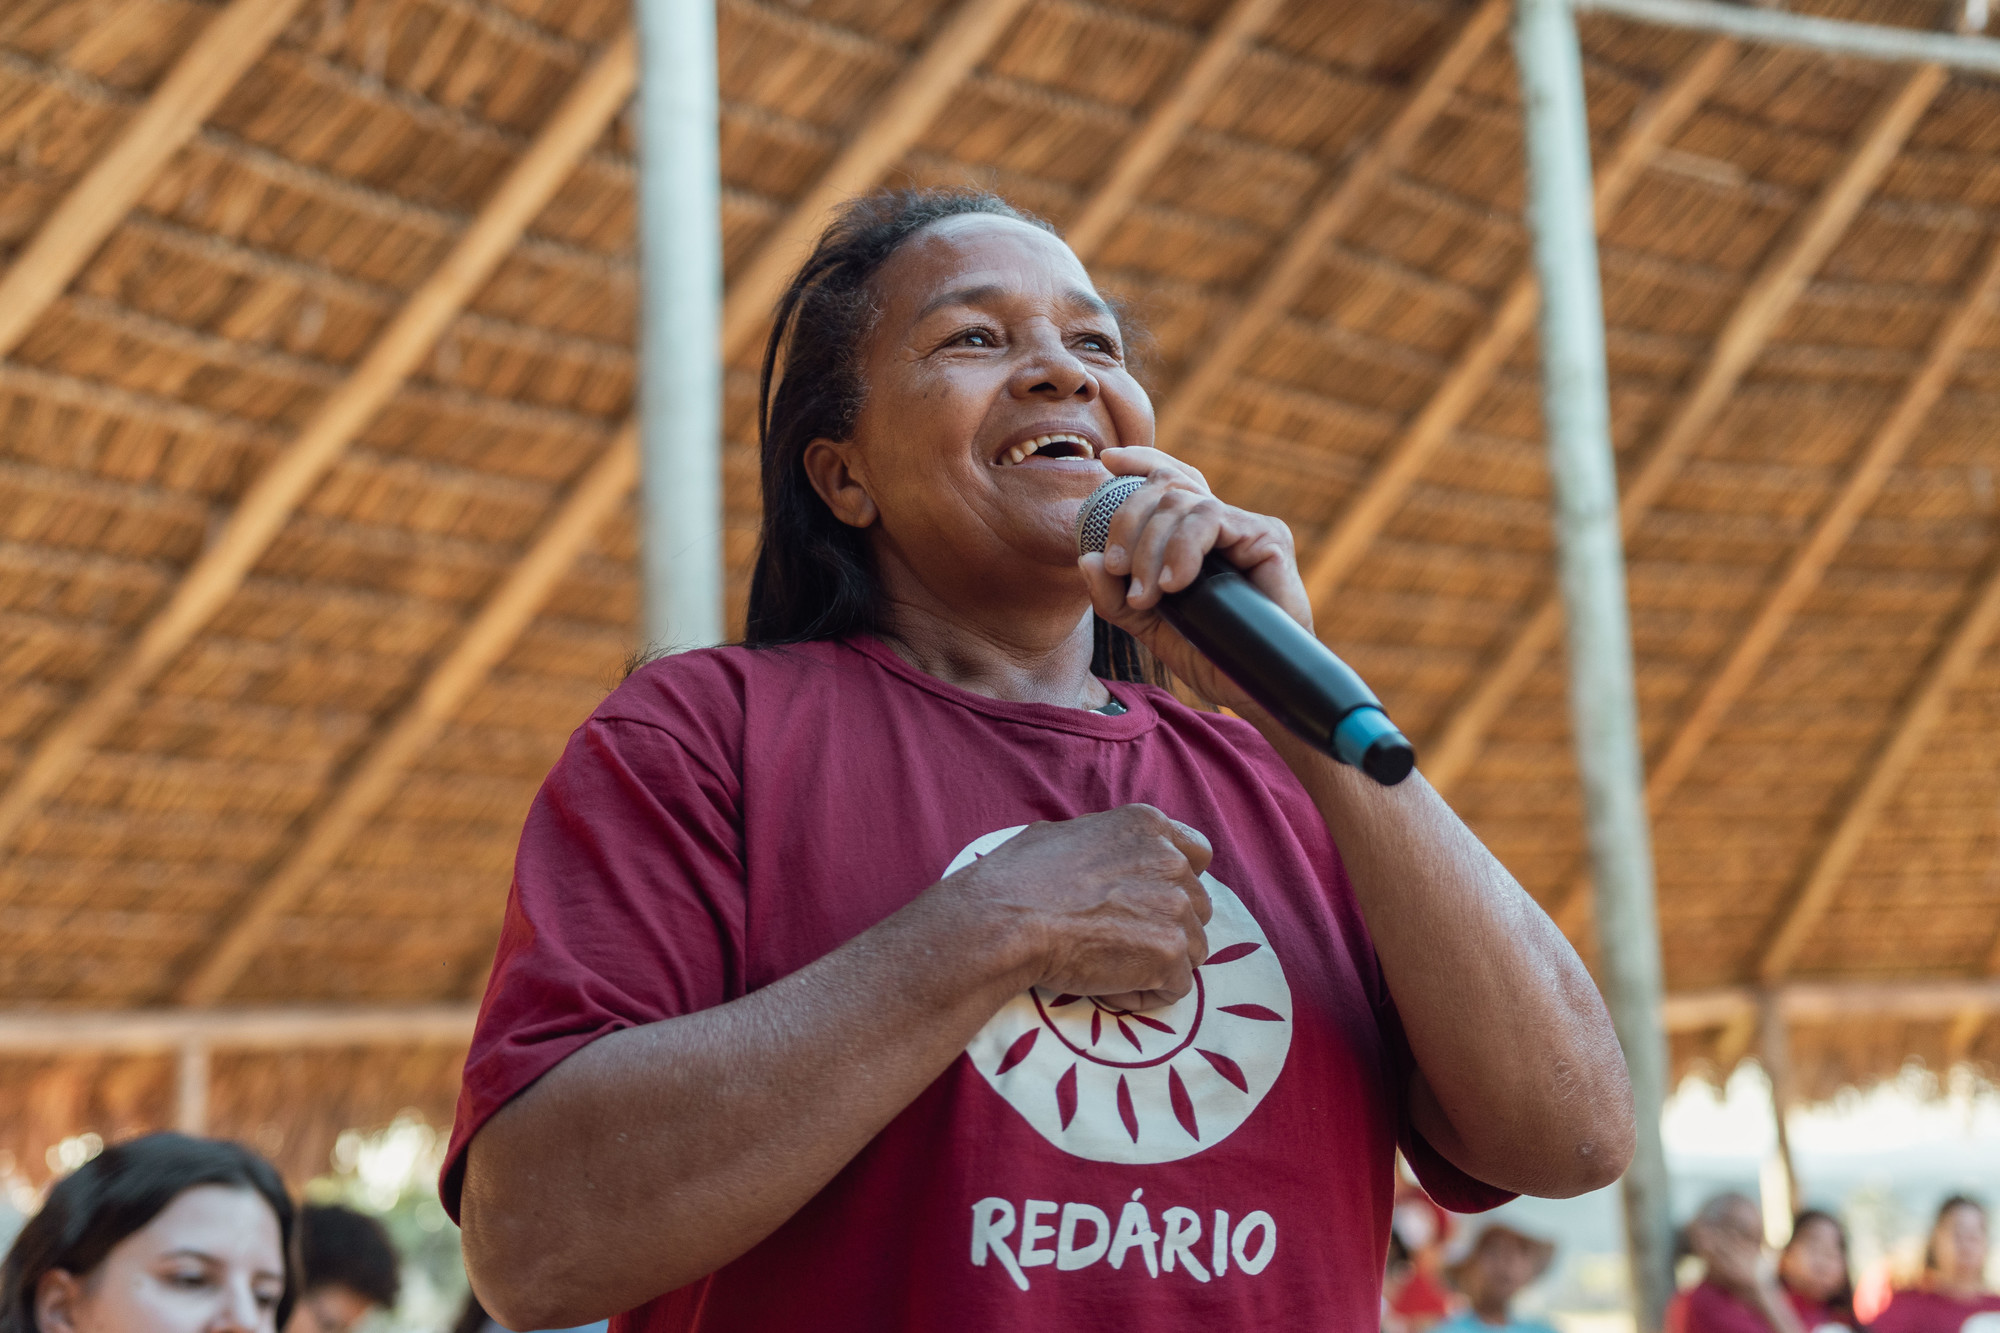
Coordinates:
[978,338]
[1097,342]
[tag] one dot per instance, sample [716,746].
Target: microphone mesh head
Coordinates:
[1093,521]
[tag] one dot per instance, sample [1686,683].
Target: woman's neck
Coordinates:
[1025,659]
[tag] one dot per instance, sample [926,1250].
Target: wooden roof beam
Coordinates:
[395,354]
[1652,128]
[1822,1002]
[1838,37]
[159,1031]
[1227,40]
[1808,565]
[374,775]
[1778,283]
[1914,726]
[1970,1021]
[898,121]
[378,771]
[1287,273]
[1811,561]
[232,42]
[25,1032]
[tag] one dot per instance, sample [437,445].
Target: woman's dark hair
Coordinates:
[1841,1303]
[814,576]
[1946,1209]
[118,1192]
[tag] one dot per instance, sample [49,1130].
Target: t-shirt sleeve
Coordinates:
[626,908]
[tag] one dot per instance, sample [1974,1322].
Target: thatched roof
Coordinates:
[298,778]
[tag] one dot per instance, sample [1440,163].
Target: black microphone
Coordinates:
[1273,658]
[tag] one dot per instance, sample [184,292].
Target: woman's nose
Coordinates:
[1051,370]
[237,1310]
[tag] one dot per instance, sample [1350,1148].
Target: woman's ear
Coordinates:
[57,1297]
[827,470]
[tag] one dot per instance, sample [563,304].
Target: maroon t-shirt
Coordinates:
[730,815]
[1913,1311]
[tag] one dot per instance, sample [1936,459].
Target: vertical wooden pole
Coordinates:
[191,1088]
[680,382]
[1590,558]
[1775,1049]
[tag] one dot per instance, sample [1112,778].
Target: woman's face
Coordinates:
[1814,1264]
[989,338]
[1959,1246]
[210,1262]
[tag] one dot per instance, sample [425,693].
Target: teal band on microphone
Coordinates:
[1359,730]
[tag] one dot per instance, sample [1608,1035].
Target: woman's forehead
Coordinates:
[215,1219]
[978,251]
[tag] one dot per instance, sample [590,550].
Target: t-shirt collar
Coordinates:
[1137,720]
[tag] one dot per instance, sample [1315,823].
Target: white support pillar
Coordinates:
[191,1087]
[680,361]
[1591,563]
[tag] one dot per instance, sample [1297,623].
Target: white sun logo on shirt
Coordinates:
[1115,1085]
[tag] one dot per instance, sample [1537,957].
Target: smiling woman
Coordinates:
[815,576]
[919,965]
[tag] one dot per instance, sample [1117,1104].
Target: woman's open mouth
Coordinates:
[1057,444]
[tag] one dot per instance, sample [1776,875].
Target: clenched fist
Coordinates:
[1109,905]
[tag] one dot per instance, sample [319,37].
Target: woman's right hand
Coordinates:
[1109,905]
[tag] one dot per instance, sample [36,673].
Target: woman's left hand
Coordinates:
[1156,544]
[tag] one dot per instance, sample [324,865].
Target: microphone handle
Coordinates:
[1291,674]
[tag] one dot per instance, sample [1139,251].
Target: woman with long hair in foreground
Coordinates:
[161,1234]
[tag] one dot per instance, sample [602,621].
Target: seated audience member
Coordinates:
[1813,1270]
[1952,1297]
[1740,1292]
[347,1267]
[1501,1263]
[162,1234]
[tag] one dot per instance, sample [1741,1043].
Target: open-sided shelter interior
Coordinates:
[317,329]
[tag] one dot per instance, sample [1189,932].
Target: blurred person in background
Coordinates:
[1740,1291]
[1813,1270]
[1502,1262]
[1395,1269]
[163,1234]
[1952,1296]
[347,1268]
[1417,1297]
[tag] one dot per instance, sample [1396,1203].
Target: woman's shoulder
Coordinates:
[700,697]
[707,679]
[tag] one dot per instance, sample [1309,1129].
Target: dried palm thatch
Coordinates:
[313,546]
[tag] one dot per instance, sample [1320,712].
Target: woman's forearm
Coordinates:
[1521,1081]
[654,1156]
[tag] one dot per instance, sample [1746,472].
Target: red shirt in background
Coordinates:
[1709,1308]
[730,815]
[1915,1311]
[1814,1316]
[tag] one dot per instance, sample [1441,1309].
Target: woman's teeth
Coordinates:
[1029,447]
